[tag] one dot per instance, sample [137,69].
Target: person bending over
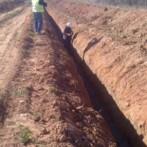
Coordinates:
[67,36]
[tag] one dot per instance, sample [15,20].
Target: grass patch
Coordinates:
[25,135]
[19,92]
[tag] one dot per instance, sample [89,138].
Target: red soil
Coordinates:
[47,100]
[113,43]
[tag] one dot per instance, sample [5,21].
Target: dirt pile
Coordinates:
[112,43]
[48,104]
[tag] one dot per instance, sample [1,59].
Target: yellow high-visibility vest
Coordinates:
[36,7]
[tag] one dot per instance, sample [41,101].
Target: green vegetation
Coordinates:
[19,92]
[25,135]
[114,2]
[124,2]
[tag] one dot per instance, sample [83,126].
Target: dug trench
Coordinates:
[94,88]
[123,131]
[47,103]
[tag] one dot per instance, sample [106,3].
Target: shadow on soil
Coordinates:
[2,112]
[90,44]
[102,100]
[3,106]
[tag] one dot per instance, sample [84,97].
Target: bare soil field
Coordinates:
[7,5]
[111,43]
[9,40]
[43,101]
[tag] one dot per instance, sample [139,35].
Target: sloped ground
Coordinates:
[47,104]
[113,44]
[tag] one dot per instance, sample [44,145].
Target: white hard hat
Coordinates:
[68,24]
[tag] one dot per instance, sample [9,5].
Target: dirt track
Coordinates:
[10,36]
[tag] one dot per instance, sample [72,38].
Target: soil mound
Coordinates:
[112,43]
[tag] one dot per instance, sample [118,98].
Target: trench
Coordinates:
[100,99]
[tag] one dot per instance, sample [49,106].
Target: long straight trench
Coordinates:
[98,106]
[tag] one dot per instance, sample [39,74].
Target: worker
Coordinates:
[38,7]
[67,36]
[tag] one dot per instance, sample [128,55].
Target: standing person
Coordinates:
[38,9]
[67,35]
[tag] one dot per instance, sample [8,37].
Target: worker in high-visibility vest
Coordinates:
[38,9]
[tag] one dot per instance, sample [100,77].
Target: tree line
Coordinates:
[123,2]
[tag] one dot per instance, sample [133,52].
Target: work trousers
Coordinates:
[38,21]
[67,43]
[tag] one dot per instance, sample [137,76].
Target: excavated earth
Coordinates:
[43,101]
[110,44]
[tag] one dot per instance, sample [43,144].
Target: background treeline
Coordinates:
[123,2]
[142,3]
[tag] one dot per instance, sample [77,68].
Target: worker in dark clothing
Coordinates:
[67,36]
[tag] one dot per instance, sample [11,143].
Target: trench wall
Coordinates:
[118,74]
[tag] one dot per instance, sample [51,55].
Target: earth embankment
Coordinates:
[112,43]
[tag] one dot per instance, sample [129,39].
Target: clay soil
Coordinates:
[112,43]
[43,101]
